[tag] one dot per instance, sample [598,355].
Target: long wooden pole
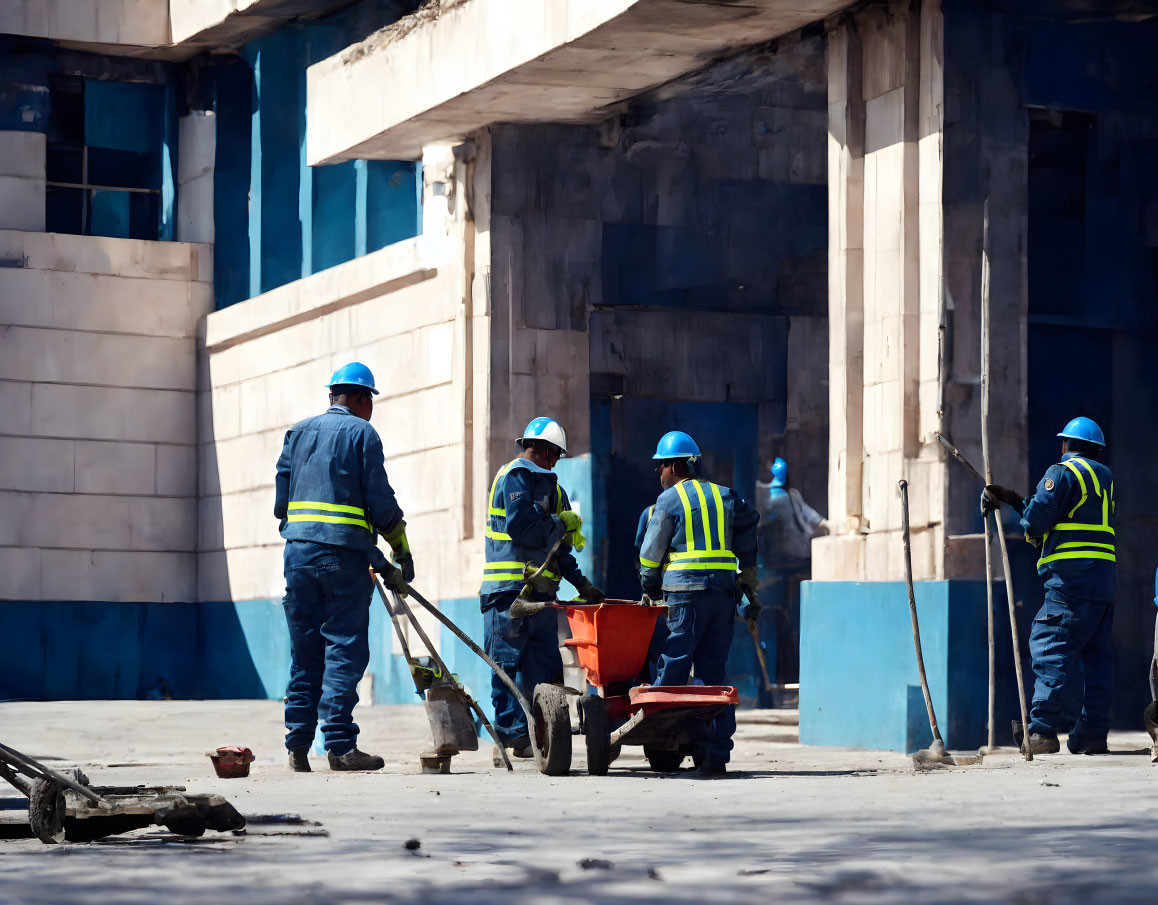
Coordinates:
[991,742]
[997,526]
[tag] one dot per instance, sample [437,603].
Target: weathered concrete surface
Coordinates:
[795,825]
[431,78]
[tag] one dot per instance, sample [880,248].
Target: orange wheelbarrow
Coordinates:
[611,640]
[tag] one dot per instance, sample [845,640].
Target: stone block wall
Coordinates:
[885,299]
[98,435]
[402,311]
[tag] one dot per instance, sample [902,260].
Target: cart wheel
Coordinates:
[552,730]
[663,761]
[46,811]
[597,732]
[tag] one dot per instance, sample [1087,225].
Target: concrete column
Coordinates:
[884,292]
[195,165]
[22,181]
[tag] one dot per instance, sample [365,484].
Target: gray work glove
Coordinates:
[390,574]
[994,495]
[589,592]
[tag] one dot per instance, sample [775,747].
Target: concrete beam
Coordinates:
[442,73]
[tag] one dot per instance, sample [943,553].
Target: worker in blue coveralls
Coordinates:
[787,527]
[1070,518]
[333,499]
[700,552]
[529,514]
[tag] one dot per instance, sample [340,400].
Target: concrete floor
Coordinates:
[793,824]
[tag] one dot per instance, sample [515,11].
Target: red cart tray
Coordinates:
[654,698]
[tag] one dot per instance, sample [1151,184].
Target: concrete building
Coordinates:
[759,223]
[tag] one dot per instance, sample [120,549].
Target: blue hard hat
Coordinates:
[547,429]
[355,374]
[779,473]
[676,445]
[1084,429]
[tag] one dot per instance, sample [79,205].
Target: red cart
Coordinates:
[611,640]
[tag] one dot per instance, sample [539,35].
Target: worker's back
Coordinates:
[695,536]
[331,483]
[787,526]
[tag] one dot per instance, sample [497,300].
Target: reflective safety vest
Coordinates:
[507,559]
[689,537]
[1087,531]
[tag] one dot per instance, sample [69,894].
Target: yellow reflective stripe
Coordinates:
[1078,526]
[701,554]
[328,507]
[650,511]
[689,537]
[719,515]
[1088,554]
[503,576]
[496,535]
[508,564]
[1079,543]
[558,499]
[727,566]
[704,518]
[648,563]
[494,486]
[511,564]
[1086,465]
[331,520]
[1081,481]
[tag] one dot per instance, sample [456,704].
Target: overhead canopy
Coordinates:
[449,69]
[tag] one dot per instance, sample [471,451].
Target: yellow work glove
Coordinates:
[401,547]
[573,522]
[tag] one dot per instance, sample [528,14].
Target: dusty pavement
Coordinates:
[793,824]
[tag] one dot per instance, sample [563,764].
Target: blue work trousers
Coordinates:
[327,609]
[699,625]
[1066,640]
[527,649]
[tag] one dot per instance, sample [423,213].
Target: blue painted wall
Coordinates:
[65,650]
[279,218]
[859,685]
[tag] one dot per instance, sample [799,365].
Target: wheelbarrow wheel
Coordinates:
[46,811]
[597,733]
[663,761]
[552,730]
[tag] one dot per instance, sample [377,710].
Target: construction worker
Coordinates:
[1070,518]
[787,527]
[333,499]
[529,514]
[700,535]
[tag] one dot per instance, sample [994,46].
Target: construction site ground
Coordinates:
[789,824]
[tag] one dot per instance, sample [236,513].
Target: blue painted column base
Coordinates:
[859,685]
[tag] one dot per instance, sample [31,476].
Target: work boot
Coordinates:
[1087,746]
[1039,742]
[299,760]
[519,747]
[354,760]
[709,767]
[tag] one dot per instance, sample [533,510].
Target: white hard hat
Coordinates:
[545,429]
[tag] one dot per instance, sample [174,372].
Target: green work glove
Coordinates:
[747,580]
[589,592]
[573,522]
[395,580]
[401,547]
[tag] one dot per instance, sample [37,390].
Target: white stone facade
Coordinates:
[98,427]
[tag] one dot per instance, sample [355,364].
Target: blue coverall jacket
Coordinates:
[699,536]
[523,525]
[332,496]
[331,482]
[1072,514]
